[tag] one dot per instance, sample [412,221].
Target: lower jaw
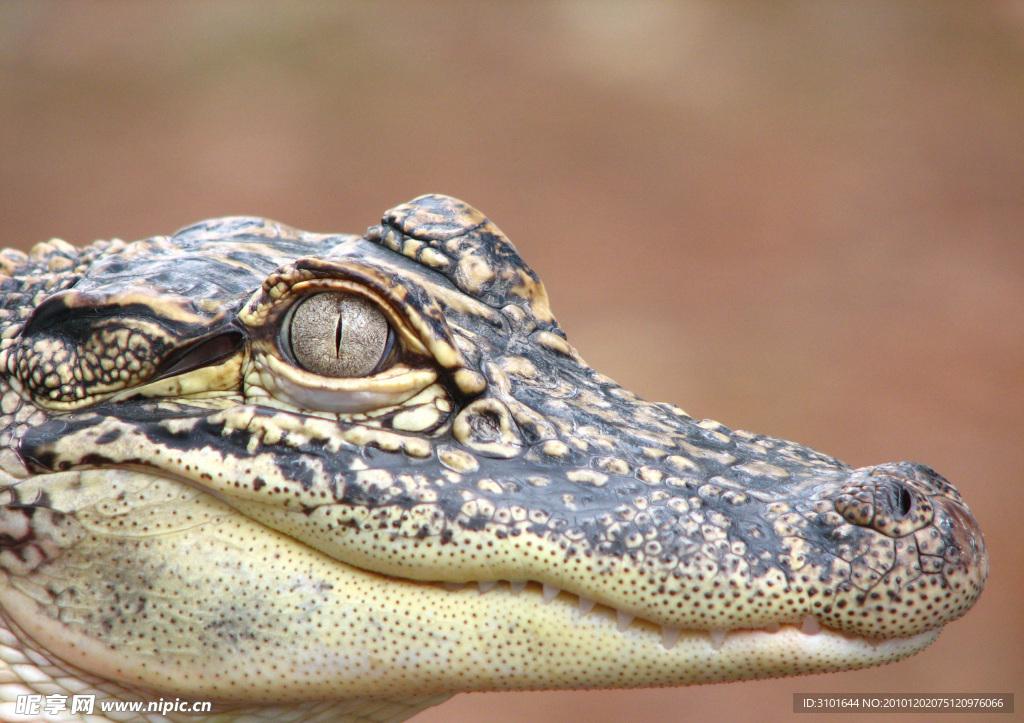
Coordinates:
[644,654]
[429,640]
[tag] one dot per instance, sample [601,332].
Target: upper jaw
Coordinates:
[683,548]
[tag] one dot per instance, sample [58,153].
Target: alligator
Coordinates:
[329,477]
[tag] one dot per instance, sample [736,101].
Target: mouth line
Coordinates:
[808,627]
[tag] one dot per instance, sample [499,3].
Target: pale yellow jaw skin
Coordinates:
[330,630]
[515,642]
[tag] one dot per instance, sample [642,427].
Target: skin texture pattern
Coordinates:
[331,477]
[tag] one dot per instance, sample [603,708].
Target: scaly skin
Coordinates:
[189,512]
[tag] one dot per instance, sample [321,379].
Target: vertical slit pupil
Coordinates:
[338,332]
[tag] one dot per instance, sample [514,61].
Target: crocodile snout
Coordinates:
[934,529]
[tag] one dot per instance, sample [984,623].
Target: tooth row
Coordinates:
[669,635]
[624,619]
[717,639]
[810,625]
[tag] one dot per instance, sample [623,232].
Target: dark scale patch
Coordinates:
[77,325]
[371,497]
[476,524]
[111,435]
[40,460]
[232,628]
[297,469]
[404,501]
[94,459]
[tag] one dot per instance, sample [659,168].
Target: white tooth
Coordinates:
[453,586]
[810,625]
[624,619]
[772,628]
[669,636]
[717,639]
[517,586]
[550,592]
[487,585]
[586,605]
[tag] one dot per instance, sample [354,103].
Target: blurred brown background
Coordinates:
[804,219]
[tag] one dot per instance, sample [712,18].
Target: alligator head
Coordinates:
[263,467]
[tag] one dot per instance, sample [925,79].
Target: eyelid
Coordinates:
[205,351]
[343,395]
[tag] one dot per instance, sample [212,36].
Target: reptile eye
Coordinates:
[335,334]
[337,346]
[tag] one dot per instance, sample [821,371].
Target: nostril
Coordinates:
[888,498]
[904,501]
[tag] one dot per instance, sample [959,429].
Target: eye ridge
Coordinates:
[362,339]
